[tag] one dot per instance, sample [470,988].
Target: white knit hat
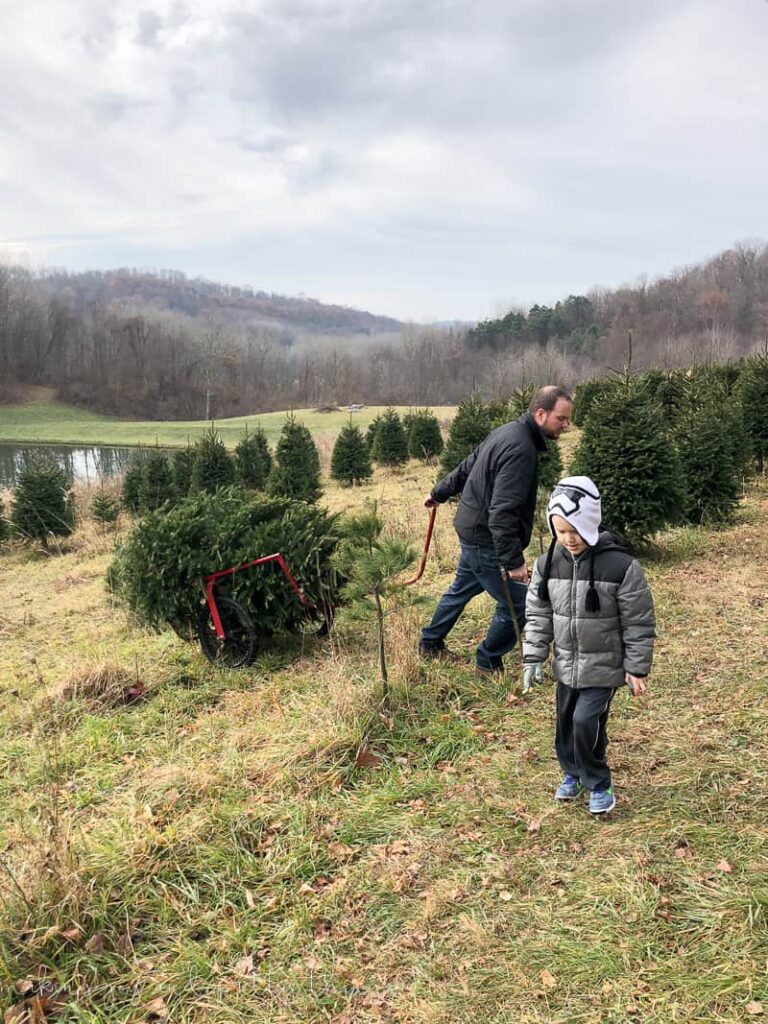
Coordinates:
[576,499]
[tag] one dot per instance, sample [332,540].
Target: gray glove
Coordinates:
[531,676]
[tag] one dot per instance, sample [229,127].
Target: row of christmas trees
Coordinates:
[664,446]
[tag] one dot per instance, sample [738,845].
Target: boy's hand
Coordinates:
[531,675]
[637,685]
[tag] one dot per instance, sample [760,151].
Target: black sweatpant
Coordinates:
[580,733]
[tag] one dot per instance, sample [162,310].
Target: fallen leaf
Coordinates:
[24,986]
[548,980]
[157,1009]
[312,962]
[244,966]
[341,851]
[365,758]
[724,866]
[534,825]
[71,934]
[682,852]
[505,896]
[15,1013]
[95,944]
[754,1009]
[607,987]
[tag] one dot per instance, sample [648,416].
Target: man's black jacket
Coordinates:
[497,483]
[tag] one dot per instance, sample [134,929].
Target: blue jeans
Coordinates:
[478,571]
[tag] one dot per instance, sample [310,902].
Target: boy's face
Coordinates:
[567,536]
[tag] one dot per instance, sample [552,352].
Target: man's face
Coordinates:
[553,423]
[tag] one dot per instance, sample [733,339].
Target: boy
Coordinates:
[589,598]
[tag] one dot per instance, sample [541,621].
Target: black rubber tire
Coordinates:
[238,648]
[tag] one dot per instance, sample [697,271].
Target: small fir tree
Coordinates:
[183,460]
[470,426]
[350,461]
[752,391]
[296,469]
[705,443]
[371,564]
[157,484]
[131,486]
[253,460]
[213,466]
[588,394]
[370,434]
[104,508]
[627,450]
[391,445]
[425,441]
[43,504]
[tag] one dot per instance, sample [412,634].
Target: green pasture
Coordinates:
[50,422]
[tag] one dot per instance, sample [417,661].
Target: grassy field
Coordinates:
[44,420]
[262,846]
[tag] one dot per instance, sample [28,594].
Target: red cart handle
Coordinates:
[427,542]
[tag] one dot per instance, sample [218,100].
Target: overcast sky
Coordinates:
[428,159]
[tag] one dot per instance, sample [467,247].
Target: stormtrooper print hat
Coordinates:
[576,499]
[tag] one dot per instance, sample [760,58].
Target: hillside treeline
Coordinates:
[160,346]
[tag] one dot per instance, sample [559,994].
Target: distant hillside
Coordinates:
[715,309]
[170,290]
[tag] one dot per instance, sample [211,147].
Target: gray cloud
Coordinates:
[415,158]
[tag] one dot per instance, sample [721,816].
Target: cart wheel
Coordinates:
[239,644]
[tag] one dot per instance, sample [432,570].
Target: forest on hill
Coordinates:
[158,345]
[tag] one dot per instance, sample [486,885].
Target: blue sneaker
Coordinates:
[601,801]
[569,788]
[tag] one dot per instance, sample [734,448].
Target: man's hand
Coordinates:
[519,575]
[430,502]
[637,685]
[531,676]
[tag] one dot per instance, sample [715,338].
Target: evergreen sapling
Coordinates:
[253,460]
[43,504]
[350,461]
[296,469]
[390,447]
[213,467]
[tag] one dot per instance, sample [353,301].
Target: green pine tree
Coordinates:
[391,445]
[370,434]
[470,426]
[627,450]
[707,452]
[183,462]
[372,565]
[213,466]
[752,391]
[424,438]
[253,459]
[157,484]
[350,461]
[104,508]
[295,472]
[43,505]
[131,486]
[588,394]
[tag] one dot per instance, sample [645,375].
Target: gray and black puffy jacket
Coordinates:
[591,648]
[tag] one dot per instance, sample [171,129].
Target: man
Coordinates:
[494,521]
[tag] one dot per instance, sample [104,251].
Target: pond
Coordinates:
[87,465]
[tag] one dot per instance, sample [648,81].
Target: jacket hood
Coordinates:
[610,540]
